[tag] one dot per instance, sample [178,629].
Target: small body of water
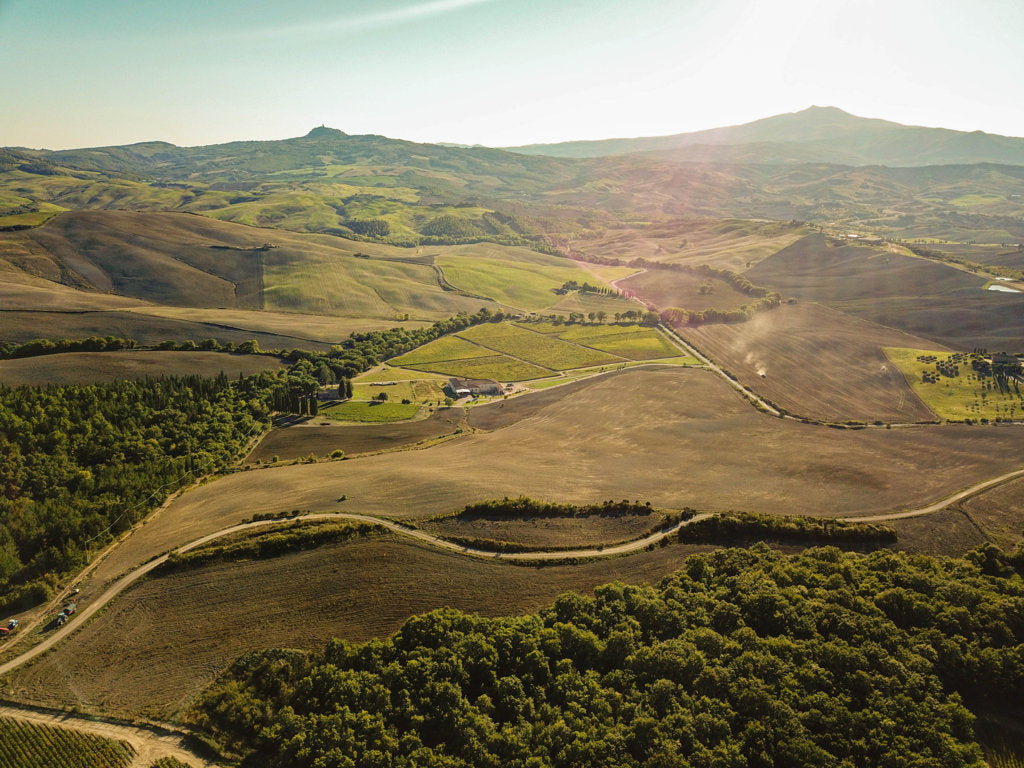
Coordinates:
[1003,289]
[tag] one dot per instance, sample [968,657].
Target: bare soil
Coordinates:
[550,532]
[301,440]
[667,288]
[818,363]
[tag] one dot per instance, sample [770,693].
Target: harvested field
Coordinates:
[999,512]
[949,532]
[549,532]
[20,326]
[987,319]
[813,270]
[303,439]
[725,244]
[818,363]
[356,590]
[674,436]
[97,367]
[664,288]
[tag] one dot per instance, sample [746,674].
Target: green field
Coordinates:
[964,395]
[445,348]
[370,412]
[538,348]
[516,277]
[527,351]
[27,745]
[497,367]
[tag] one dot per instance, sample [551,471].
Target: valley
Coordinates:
[316,393]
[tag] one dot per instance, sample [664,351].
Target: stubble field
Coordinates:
[817,363]
[675,437]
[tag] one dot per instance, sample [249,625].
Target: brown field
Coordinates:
[1000,512]
[925,298]
[725,244]
[818,363]
[19,326]
[550,532]
[813,270]
[987,319]
[675,437]
[97,367]
[948,532]
[357,590]
[666,288]
[303,439]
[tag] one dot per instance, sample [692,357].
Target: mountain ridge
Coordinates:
[816,134]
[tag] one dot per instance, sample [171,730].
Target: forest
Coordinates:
[741,658]
[81,464]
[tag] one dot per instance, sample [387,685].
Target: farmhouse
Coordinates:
[462,387]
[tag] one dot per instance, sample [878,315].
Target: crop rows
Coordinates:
[27,745]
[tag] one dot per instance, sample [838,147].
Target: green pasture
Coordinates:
[535,347]
[516,278]
[369,412]
[966,395]
[528,351]
[445,348]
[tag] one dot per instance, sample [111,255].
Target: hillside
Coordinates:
[817,135]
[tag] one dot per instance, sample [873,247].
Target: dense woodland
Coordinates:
[742,658]
[79,464]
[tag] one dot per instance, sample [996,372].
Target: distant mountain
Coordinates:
[312,155]
[814,135]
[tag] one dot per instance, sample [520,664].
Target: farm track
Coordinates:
[131,577]
[150,742]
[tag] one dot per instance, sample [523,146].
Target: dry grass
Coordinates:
[819,363]
[357,590]
[949,532]
[24,325]
[550,532]
[666,288]
[96,367]
[675,437]
[725,244]
[303,439]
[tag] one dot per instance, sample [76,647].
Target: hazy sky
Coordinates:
[79,73]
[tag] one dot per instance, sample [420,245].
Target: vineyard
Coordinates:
[25,745]
[168,762]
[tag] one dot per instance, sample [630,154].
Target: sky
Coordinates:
[80,73]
